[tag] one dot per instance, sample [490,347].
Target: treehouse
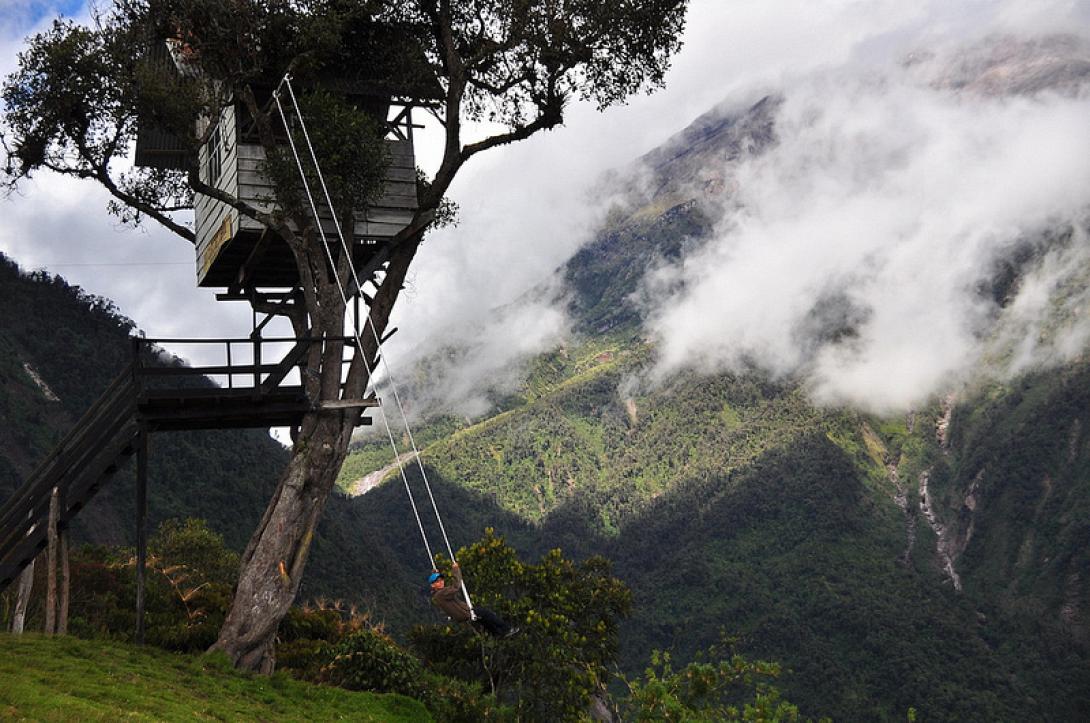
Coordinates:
[382,73]
[238,252]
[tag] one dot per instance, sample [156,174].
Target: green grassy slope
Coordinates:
[61,679]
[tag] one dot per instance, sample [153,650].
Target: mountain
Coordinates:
[936,560]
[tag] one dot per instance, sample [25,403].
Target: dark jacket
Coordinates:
[449,598]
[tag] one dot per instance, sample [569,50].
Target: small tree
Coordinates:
[568,612]
[72,108]
[718,686]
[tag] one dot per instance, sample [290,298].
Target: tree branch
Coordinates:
[143,207]
[548,118]
[199,186]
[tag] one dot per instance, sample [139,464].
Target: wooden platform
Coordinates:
[148,398]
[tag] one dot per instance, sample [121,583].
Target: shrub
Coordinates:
[367,659]
[370,660]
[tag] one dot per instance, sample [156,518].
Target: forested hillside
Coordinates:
[935,560]
[59,350]
[730,504]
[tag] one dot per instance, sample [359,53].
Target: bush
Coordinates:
[719,685]
[568,613]
[370,660]
[332,645]
[303,658]
[189,581]
[450,699]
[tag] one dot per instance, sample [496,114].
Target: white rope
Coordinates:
[374,332]
[344,298]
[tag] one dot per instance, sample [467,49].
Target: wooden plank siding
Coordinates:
[243,176]
[212,215]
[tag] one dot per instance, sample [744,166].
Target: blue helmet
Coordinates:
[433,577]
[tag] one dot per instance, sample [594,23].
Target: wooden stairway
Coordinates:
[150,397]
[86,459]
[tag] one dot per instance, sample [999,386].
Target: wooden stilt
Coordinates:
[51,563]
[141,529]
[62,608]
[22,598]
[22,593]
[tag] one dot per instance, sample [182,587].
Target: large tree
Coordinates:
[74,104]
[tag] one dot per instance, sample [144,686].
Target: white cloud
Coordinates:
[885,201]
[525,210]
[61,224]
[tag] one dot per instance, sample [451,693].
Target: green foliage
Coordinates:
[66,678]
[541,54]
[710,688]
[56,99]
[575,436]
[190,544]
[331,645]
[198,573]
[568,614]
[349,144]
[189,583]
[369,660]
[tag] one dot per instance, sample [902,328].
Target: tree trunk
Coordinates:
[22,599]
[272,565]
[272,568]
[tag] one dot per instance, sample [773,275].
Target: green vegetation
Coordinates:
[729,502]
[717,686]
[71,679]
[577,436]
[569,615]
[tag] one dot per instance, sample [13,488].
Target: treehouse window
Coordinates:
[215,156]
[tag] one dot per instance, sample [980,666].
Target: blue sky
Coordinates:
[18,17]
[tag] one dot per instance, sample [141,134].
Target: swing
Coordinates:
[286,83]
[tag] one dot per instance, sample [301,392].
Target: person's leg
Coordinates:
[491,622]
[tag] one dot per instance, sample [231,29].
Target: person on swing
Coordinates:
[449,599]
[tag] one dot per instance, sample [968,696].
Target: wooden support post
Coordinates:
[22,594]
[257,366]
[51,563]
[62,611]
[141,528]
[22,597]
[356,312]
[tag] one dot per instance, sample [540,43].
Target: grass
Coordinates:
[67,679]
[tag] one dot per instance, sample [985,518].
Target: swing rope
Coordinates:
[359,343]
[369,321]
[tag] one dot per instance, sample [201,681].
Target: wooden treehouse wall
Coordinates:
[241,174]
